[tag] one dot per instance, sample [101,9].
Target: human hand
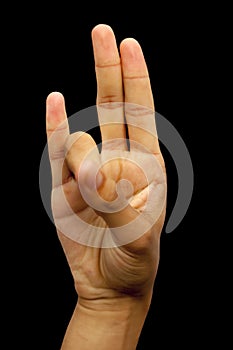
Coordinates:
[110,231]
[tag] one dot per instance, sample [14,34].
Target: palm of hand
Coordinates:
[119,268]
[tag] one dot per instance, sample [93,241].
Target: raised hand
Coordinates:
[109,205]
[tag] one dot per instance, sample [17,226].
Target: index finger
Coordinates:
[139,102]
[57,129]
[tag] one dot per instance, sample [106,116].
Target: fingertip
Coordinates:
[101,30]
[55,103]
[132,58]
[129,41]
[90,176]
[130,46]
[54,98]
[104,46]
[55,110]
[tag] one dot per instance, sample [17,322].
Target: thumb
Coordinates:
[125,224]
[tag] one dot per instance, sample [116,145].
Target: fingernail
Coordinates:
[91,180]
[99,179]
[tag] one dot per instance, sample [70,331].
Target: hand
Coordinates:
[110,231]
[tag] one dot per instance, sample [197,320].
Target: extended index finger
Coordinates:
[139,102]
[57,129]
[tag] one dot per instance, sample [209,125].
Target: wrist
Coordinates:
[105,324]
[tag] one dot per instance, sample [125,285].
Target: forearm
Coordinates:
[104,328]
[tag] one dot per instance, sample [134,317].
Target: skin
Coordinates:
[114,285]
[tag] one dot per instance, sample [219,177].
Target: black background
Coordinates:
[53,52]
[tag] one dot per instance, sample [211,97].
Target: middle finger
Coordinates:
[109,86]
